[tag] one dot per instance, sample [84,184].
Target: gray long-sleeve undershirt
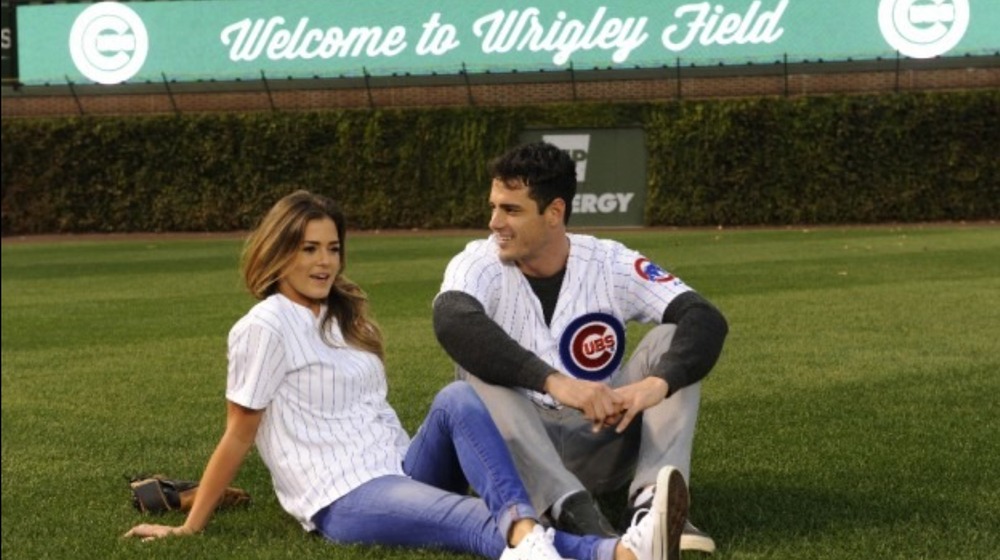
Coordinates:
[480,346]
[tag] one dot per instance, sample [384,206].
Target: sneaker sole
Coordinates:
[697,543]
[670,503]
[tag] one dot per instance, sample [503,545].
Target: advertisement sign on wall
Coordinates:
[610,173]
[192,40]
[7,14]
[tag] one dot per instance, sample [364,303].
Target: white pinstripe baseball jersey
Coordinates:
[327,426]
[606,285]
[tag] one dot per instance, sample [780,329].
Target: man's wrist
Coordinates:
[657,385]
[552,379]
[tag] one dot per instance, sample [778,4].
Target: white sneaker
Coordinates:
[657,535]
[537,545]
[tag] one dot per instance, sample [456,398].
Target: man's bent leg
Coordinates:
[667,428]
[667,436]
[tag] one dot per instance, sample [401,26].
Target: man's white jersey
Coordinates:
[606,285]
[327,427]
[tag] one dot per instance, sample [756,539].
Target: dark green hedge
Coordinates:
[826,160]
[843,159]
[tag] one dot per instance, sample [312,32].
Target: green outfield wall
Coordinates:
[229,40]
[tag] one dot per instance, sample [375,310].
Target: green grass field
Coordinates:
[853,414]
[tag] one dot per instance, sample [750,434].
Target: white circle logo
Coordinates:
[923,28]
[108,43]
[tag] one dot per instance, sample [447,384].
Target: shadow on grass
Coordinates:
[756,518]
[752,516]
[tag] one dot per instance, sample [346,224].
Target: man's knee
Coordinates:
[659,336]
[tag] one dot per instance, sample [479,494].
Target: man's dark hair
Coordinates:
[548,173]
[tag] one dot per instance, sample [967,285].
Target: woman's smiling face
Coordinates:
[309,277]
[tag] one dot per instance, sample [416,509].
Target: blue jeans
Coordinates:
[457,446]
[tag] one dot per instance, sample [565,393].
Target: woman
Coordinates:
[306,383]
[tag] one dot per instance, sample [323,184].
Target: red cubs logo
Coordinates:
[592,346]
[647,270]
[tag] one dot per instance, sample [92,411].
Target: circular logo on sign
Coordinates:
[108,43]
[923,28]
[592,346]
[648,270]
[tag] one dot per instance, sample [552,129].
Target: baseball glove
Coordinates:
[158,494]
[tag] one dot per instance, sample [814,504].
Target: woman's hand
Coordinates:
[149,532]
[241,428]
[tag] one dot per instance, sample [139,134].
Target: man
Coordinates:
[535,319]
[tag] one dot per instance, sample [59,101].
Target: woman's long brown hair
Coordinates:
[272,247]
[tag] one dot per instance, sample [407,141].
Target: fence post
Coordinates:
[468,86]
[896,86]
[76,98]
[267,88]
[170,94]
[678,66]
[368,88]
[784,72]
[572,79]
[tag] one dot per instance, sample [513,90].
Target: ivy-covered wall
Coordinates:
[839,159]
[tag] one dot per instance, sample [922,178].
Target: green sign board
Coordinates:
[610,173]
[109,42]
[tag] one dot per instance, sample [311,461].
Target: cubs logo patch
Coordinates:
[592,346]
[648,270]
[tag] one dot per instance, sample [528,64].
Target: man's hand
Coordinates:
[637,397]
[597,401]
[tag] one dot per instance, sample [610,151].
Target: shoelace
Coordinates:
[634,536]
[639,514]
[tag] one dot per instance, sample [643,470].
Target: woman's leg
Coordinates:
[458,445]
[398,511]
